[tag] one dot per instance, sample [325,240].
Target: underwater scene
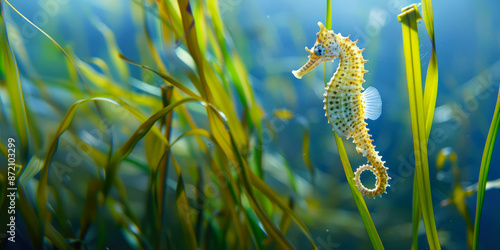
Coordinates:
[204,124]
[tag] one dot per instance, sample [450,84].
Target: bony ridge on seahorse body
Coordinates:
[346,107]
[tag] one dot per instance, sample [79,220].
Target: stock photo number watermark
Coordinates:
[11,189]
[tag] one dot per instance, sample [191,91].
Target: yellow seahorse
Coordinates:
[346,107]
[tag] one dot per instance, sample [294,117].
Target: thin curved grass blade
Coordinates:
[57,238]
[106,83]
[113,50]
[11,81]
[32,221]
[31,170]
[183,209]
[306,140]
[172,23]
[54,42]
[431,79]
[285,219]
[89,212]
[166,77]
[258,233]
[485,167]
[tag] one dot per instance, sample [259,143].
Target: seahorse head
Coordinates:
[326,48]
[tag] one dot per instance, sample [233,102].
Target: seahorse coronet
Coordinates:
[344,103]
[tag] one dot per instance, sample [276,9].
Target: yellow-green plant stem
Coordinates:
[358,197]
[422,194]
[328,14]
[485,167]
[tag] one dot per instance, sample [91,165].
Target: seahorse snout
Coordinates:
[311,64]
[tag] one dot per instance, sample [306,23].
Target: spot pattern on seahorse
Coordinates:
[345,105]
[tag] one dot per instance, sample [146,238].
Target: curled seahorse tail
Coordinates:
[365,147]
[381,178]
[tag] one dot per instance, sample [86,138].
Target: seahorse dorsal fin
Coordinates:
[372,103]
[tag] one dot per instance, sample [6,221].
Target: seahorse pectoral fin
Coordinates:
[311,64]
[372,103]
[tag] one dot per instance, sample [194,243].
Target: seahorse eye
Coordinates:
[319,50]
